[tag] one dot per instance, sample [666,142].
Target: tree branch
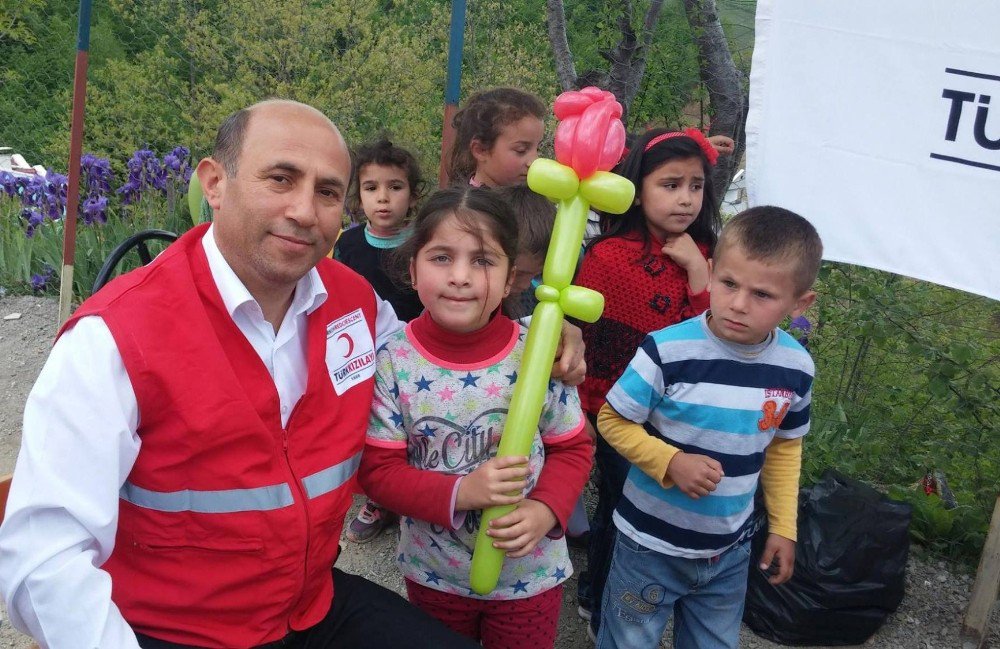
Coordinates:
[726,85]
[565,69]
[649,24]
[628,58]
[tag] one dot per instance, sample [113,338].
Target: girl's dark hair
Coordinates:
[483,118]
[535,215]
[479,210]
[640,163]
[384,153]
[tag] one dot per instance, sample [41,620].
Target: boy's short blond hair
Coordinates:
[775,235]
[535,215]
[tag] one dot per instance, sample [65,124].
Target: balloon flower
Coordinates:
[195,196]
[589,142]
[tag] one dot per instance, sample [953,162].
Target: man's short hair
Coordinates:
[535,217]
[775,235]
[231,134]
[229,140]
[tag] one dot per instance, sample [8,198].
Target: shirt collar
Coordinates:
[309,291]
[386,243]
[741,351]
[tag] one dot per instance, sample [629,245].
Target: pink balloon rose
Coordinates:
[590,136]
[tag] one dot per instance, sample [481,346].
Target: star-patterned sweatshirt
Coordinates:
[440,405]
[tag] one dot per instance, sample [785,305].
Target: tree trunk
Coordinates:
[727,87]
[565,69]
[628,58]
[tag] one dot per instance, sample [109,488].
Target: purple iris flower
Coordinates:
[56,189]
[8,183]
[177,166]
[144,171]
[94,210]
[40,280]
[96,173]
[801,327]
[32,219]
[33,191]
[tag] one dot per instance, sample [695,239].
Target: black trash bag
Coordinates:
[850,565]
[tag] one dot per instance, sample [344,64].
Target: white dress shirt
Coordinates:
[80,425]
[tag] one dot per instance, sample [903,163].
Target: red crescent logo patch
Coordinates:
[350,344]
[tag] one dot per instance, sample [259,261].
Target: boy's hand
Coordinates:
[779,552]
[519,532]
[695,475]
[492,483]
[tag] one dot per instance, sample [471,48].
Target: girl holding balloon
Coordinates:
[652,268]
[443,387]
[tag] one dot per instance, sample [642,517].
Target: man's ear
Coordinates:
[803,303]
[212,177]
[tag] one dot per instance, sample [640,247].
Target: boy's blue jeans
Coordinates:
[644,587]
[612,470]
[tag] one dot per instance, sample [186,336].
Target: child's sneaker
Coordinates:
[583,597]
[370,522]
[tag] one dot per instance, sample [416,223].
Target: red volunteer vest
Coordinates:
[228,523]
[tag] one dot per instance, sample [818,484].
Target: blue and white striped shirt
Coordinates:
[708,396]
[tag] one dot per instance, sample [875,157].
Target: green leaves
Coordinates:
[907,379]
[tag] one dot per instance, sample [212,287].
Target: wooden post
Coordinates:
[75,148]
[456,45]
[984,591]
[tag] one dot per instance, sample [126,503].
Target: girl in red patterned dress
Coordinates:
[652,267]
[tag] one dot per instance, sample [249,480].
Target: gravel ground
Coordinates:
[929,617]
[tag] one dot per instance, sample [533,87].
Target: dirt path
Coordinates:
[929,617]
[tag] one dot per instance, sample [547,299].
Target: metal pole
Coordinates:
[75,147]
[456,43]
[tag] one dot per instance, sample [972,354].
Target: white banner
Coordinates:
[874,121]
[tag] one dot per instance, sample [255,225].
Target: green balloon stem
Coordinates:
[519,430]
[533,375]
[194,199]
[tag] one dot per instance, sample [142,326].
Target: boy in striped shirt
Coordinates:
[705,410]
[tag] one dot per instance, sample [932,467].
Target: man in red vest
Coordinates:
[190,447]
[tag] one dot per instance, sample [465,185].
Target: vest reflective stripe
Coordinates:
[329,479]
[224,501]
